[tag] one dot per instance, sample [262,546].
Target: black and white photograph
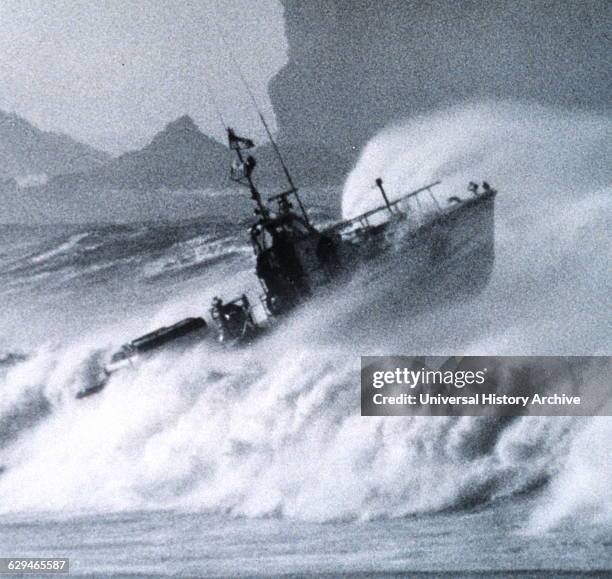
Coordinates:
[305,288]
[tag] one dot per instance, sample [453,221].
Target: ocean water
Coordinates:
[257,461]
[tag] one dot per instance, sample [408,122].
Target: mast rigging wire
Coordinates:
[256,106]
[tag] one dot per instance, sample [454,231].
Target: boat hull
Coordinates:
[453,255]
[450,255]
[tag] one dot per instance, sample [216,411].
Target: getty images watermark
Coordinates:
[486,385]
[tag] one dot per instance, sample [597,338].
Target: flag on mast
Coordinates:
[237,143]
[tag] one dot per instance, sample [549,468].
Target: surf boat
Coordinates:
[426,240]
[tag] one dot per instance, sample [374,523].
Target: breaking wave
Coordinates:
[62,248]
[276,430]
[150,250]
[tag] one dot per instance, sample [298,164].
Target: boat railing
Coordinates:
[363,221]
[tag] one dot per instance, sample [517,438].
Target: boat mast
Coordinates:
[243,174]
[254,193]
[293,190]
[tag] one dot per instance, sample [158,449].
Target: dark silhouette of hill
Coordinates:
[141,183]
[179,157]
[182,157]
[26,150]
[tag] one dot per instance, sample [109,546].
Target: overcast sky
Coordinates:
[113,72]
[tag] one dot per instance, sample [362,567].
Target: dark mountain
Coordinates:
[138,185]
[182,157]
[179,157]
[356,65]
[26,150]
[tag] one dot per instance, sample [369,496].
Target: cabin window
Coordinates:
[262,239]
[256,239]
[267,239]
